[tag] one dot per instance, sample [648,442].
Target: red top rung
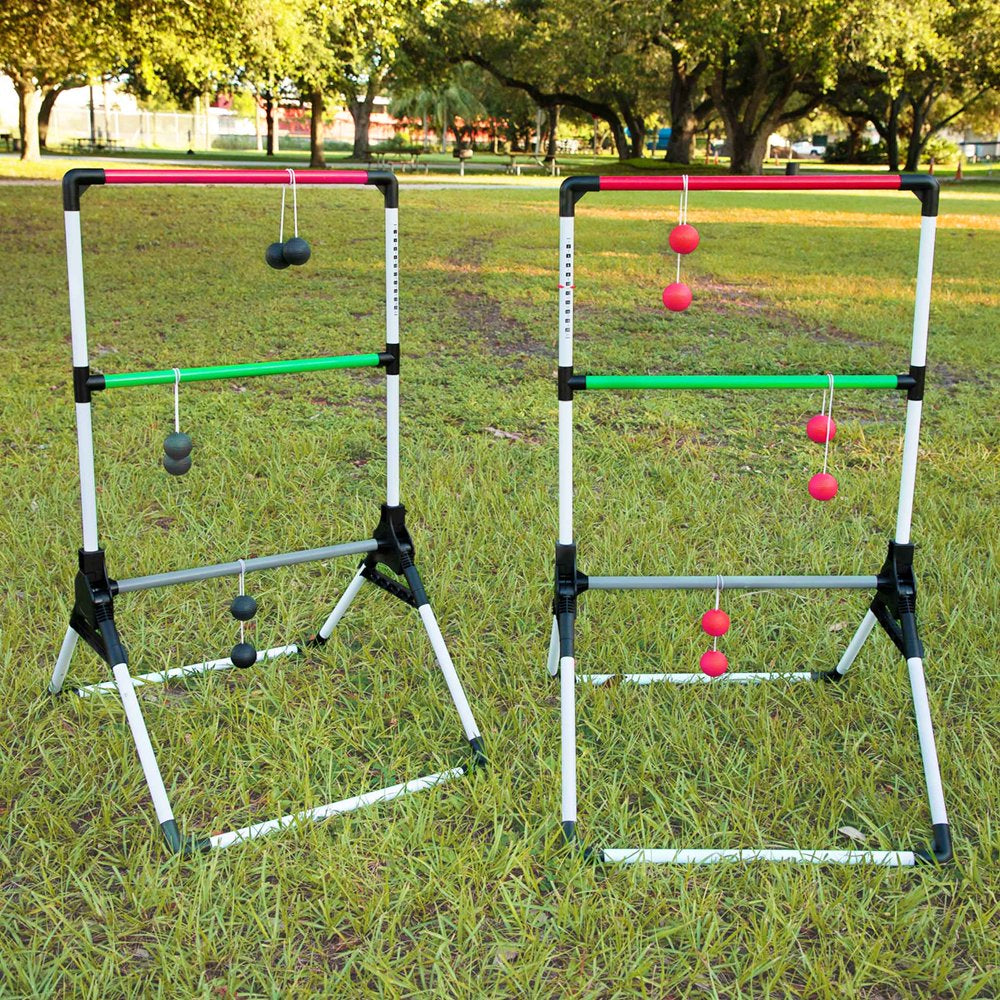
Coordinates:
[813,182]
[234,177]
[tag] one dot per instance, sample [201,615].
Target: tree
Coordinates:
[912,71]
[588,57]
[43,45]
[770,64]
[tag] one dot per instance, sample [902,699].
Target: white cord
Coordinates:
[243,571]
[177,400]
[829,422]
[295,199]
[718,600]
[682,214]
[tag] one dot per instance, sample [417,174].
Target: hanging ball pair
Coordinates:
[243,608]
[715,622]
[294,251]
[683,240]
[821,429]
[177,453]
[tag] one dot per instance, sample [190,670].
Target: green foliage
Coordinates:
[865,153]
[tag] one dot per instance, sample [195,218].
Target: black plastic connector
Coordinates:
[941,851]
[926,188]
[385,181]
[389,585]
[75,182]
[81,383]
[917,375]
[569,832]
[178,844]
[389,359]
[92,617]
[565,388]
[395,547]
[478,754]
[896,599]
[573,189]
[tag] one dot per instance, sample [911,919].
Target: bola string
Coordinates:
[829,421]
[682,215]
[718,601]
[243,573]
[177,400]
[295,200]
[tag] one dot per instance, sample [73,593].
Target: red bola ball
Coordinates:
[677,297]
[818,426]
[822,486]
[684,238]
[715,622]
[714,663]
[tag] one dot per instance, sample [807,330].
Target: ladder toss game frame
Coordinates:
[893,606]
[390,546]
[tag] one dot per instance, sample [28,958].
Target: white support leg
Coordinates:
[62,661]
[854,646]
[700,856]
[925,733]
[443,658]
[143,746]
[340,609]
[333,809]
[567,730]
[553,662]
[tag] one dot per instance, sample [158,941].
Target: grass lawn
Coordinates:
[465,890]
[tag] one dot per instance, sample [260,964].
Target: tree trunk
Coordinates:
[915,146]
[747,149]
[683,120]
[361,112]
[269,120]
[318,102]
[27,118]
[550,153]
[618,134]
[891,136]
[49,96]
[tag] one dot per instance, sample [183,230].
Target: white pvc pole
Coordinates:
[925,733]
[162,676]
[143,746]
[392,337]
[639,855]
[565,359]
[854,646]
[78,329]
[334,808]
[567,729]
[597,680]
[62,661]
[918,358]
[448,669]
[342,605]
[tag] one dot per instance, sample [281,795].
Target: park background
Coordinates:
[466,890]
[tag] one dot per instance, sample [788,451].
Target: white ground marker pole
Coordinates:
[392,342]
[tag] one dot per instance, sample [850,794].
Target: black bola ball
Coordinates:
[177,445]
[243,608]
[243,655]
[275,256]
[177,466]
[297,251]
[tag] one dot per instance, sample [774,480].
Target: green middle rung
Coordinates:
[741,381]
[167,376]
